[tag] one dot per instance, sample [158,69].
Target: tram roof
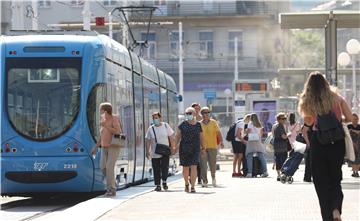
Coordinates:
[305,71]
[318,19]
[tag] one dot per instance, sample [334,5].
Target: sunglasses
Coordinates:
[189,113]
[282,118]
[205,113]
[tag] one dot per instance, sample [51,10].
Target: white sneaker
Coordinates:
[265,174]
[214,182]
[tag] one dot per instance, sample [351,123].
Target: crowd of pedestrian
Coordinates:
[198,138]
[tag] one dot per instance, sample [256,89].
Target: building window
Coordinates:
[44,4]
[76,3]
[207,5]
[161,7]
[109,3]
[232,35]
[206,44]
[159,2]
[149,52]
[174,45]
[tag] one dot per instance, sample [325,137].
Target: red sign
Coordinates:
[100,21]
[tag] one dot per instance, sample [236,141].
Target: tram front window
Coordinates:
[43,95]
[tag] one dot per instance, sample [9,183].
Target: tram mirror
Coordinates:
[179,97]
[43,75]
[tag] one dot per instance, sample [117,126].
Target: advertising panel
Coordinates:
[266,111]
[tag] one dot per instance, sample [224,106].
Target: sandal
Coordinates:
[187,188]
[336,215]
[193,190]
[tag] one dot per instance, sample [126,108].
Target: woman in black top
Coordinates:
[190,136]
[354,129]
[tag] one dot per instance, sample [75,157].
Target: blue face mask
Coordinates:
[189,117]
[156,121]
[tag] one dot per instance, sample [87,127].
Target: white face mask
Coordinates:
[156,121]
[189,117]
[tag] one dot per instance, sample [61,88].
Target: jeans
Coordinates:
[249,159]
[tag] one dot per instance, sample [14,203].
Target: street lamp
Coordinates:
[352,48]
[227,93]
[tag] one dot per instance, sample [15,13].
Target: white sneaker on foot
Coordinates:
[214,182]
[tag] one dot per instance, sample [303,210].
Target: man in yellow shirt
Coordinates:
[212,134]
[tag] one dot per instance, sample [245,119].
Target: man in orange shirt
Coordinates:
[211,133]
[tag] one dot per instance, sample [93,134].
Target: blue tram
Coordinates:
[51,88]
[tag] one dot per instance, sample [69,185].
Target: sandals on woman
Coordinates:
[187,188]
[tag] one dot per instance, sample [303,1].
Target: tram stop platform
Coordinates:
[232,199]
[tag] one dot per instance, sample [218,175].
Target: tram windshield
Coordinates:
[43,95]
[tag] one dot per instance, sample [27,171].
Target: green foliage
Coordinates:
[307,49]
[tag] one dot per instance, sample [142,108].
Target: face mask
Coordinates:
[189,117]
[156,121]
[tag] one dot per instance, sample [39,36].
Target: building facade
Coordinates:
[209,30]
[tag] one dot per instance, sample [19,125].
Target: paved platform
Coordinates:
[237,199]
[233,199]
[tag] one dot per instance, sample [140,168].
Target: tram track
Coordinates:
[35,208]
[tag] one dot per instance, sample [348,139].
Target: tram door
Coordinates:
[139,128]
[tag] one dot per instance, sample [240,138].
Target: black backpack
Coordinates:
[330,129]
[230,136]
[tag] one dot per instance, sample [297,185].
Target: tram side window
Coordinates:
[173,112]
[164,104]
[101,93]
[96,97]
[151,100]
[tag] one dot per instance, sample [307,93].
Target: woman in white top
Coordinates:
[254,145]
[160,132]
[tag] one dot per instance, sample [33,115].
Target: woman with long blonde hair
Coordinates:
[319,98]
[254,145]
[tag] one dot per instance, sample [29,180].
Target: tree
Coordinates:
[307,49]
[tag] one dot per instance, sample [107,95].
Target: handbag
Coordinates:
[161,149]
[349,146]
[118,140]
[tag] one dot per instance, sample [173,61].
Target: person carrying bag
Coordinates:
[109,144]
[118,139]
[159,146]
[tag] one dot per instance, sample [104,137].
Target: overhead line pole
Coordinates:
[181,74]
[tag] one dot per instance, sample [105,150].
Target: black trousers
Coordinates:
[307,174]
[161,169]
[326,163]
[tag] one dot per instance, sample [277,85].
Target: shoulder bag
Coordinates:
[161,149]
[349,146]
